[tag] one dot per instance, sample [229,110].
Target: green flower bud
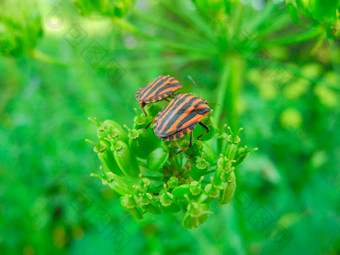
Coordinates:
[145,199]
[220,177]
[146,202]
[196,215]
[115,130]
[129,204]
[173,182]
[126,161]
[167,201]
[224,164]
[140,120]
[118,184]
[105,154]
[142,142]
[195,187]
[109,130]
[199,168]
[221,137]
[144,184]
[243,153]
[228,192]
[211,189]
[157,159]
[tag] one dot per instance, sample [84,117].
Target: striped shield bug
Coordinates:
[180,117]
[161,87]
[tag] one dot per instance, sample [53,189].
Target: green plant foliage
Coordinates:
[108,8]
[324,13]
[20,27]
[167,181]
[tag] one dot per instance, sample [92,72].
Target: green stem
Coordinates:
[233,91]
[47,59]
[228,98]
[228,92]
[222,87]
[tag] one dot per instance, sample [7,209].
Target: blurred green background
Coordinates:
[273,67]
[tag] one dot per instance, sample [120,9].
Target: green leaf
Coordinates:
[324,9]
[293,10]
[157,159]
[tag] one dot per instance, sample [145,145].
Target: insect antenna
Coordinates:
[198,92]
[215,103]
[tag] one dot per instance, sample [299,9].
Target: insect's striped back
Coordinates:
[161,87]
[182,113]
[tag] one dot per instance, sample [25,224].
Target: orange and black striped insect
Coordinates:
[161,87]
[180,117]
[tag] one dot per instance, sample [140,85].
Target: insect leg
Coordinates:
[149,123]
[142,104]
[190,144]
[206,128]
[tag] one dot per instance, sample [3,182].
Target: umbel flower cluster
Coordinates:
[151,177]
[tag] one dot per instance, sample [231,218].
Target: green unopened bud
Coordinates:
[128,201]
[219,178]
[224,164]
[167,201]
[196,215]
[173,182]
[129,204]
[243,153]
[115,182]
[144,181]
[139,120]
[195,187]
[200,168]
[157,159]
[105,155]
[109,129]
[142,142]
[228,192]
[212,190]
[145,199]
[126,161]
[166,198]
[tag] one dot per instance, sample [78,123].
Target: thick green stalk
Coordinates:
[228,92]
[222,87]
[228,98]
